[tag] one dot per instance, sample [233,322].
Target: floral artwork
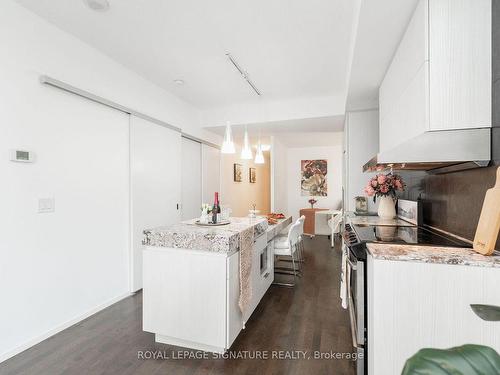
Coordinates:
[313,180]
[383,185]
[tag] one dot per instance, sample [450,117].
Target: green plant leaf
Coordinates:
[487,312]
[463,360]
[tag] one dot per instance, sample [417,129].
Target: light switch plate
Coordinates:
[46,205]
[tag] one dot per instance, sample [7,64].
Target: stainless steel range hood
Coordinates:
[437,152]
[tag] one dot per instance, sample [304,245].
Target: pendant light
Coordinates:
[259,156]
[246,151]
[228,144]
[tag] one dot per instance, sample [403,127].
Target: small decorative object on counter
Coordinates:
[205,213]
[272,218]
[361,204]
[489,221]
[385,186]
[312,202]
[253,213]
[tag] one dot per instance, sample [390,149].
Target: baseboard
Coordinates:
[36,340]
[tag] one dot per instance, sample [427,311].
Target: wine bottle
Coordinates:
[215,208]
[219,210]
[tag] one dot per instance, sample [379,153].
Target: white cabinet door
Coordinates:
[184,298]
[410,115]
[154,183]
[191,179]
[440,76]
[460,70]
[408,59]
[434,301]
[234,318]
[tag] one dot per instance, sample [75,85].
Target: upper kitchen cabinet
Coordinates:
[440,76]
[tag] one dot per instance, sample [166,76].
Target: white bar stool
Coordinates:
[284,233]
[288,246]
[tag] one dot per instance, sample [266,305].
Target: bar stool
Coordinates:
[300,245]
[288,246]
[334,223]
[301,221]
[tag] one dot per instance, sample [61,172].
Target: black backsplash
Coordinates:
[452,201]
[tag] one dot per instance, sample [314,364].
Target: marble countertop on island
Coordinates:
[188,235]
[430,254]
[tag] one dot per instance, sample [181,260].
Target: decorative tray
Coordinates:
[226,222]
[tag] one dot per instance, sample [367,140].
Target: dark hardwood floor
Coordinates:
[307,318]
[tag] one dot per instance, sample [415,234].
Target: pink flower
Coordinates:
[369,191]
[398,185]
[381,179]
[374,183]
[384,189]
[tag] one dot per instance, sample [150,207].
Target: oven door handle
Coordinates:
[354,327]
[351,264]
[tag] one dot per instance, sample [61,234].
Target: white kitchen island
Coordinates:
[191,277]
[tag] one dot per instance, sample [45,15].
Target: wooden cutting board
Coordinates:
[489,221]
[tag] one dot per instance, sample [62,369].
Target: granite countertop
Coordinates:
[431,254]
[375,220]
[188,235]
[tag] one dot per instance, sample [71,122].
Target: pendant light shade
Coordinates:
[246,151]
[228,144]
[259,156]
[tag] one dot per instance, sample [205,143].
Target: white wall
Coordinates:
[34,46]
[334,176]
[261,110]
[362,140]
[59,267]
[191,174]
[210,167]
[279,166]
[241,196]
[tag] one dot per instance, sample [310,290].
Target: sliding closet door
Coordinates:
[210,158]
[191,179]
[154,183]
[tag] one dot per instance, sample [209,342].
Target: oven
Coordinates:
[357,297]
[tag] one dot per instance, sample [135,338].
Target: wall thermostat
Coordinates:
[22,156]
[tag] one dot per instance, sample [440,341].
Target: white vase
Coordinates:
[386,207]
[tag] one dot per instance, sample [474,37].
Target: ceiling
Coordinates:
[321,131]
[381,26]
[309,125]
[290,48]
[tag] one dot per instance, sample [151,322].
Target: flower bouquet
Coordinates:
[312,202]
[385,186]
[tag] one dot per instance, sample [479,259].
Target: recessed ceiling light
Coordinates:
[97,5]
[179,82]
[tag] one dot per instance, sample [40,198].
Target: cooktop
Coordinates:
[406,235]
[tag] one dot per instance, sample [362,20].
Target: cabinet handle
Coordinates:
[266,275]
